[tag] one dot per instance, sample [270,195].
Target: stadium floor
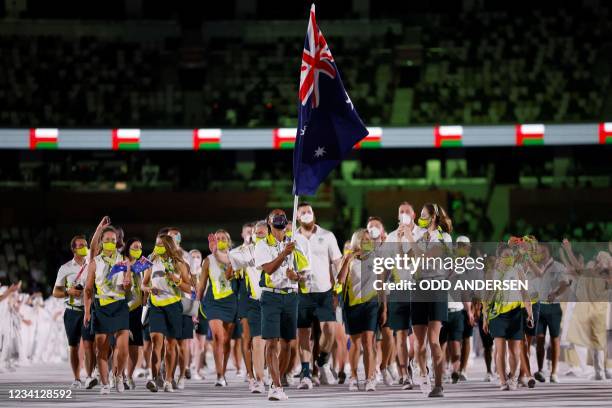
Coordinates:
[572,392]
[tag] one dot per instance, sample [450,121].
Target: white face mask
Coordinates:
[405,219]
[307,218]
[374,232]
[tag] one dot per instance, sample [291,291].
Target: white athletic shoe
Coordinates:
[90,382]
[462,376]
[488,377]
[119,386]
[554,379]
[105,389]
[168,386]
[370,385]
[159,381]
[504,387]
[393,371]
[151,386]
[425,385]
[111,380]
[221,382]
[353,384]
[259,388]
[76,384]
[325,373]
[277,394]
[181,383]
[305,384]
[387,377]
[131,383]
[196,376]
[407,385]
[512,384]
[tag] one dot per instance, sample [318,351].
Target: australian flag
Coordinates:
[328,123]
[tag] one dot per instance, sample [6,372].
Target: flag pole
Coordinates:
[294,217]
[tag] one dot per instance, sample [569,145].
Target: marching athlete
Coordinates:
[364,306]
[163,283]
[112,315]
[220,303]
[316,298]
[282,264]
[69,286]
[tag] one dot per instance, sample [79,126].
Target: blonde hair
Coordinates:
[172,249]
[357,238]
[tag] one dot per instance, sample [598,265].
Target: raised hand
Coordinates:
[212,243]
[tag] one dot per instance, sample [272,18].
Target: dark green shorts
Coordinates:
[187,328]
[254,317]
[136,327]
[550,318]
[243,299]
[468,330]
[361,318]
[225,309]
[167,320]
[535,310]
[319,306]
[399,316]
[202,327]
[146,333]
[452,328]
[111,318]
[279,315]
[508,325]
[425,312]
[73,324]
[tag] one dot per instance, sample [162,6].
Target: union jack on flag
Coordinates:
[316,59]
[328,123]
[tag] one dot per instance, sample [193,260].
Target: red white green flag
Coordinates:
[530,135]
[448,136]
[605,133]
[126,139]
[43,138]
[206,139]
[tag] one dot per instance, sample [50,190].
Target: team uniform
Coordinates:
[70,275]
[220,301]
[361,299]
[505,310]
[279,300]
[425,311]
[550,312]
[190,307]
[243,258]
[316,294]
[135,308]
[166,312]
[454,326]
[111,309]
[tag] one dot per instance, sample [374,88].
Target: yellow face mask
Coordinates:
[81,251]
[159,249]
[423,222]
[109,246]
[507,260]
[257,239]
[222,245]
[367,246]
[289,234]
[135,253]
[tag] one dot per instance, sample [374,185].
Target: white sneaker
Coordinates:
[325,373]
[504,387]
[387,377]
[393,371]
[512,384]
[425,385]
[276,394]
[353,384]
[111,380]
[196,376]
[251,384]
[91,382]
[259,388]
[554,379]
[131,383]
[105,389]
[119,386]
[151,386]
[181,383]
[407,385]
[371,385]
[305,384]
[378,376]
[76,384]
[221,382]
[168,386]
[488,377]
[462,376]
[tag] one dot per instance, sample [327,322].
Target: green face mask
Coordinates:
[109,246]
[423,222]
[367,246]
[222,245]
[159,249]
[135,253]
[81,251]
[507,260]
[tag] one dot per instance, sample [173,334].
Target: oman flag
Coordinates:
[530,135]
[206,139]
[448,136]
[43,138]
[605,133]
[126,139]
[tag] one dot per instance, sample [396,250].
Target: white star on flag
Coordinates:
[302,131]
[320,152]
[348,100]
